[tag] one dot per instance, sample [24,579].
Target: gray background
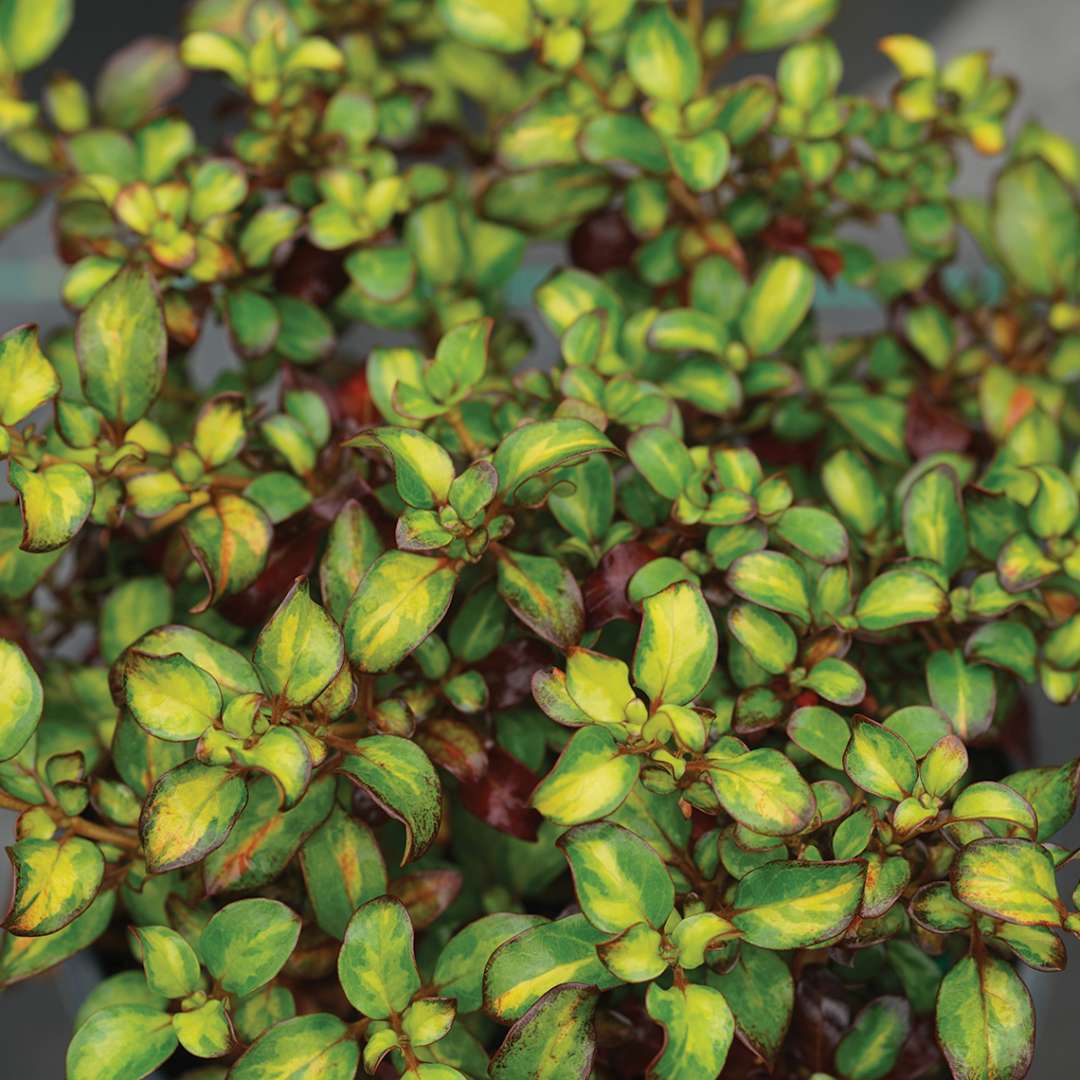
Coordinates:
[1035,39]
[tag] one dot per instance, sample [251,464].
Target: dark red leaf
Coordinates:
[311,274]
[508,671]
[627,1039]
[501,798]
[605,588]
[823,1016]
[287,561]
[602,242]
[931,429]
[354,399]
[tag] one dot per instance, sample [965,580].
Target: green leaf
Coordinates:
[985,1020]
[169,696]
[662,458]
[662,59]
[55,881]
[619,879]
[189,813]
[20,570]
[898,598]
[772,581]
[635,954]
[794,905]
[126,1042]
[769,640]
[352,547]
[376,966]
[814,532]
[879,761]
[776,304]
[423,470]
[934,526]
[460,361]
[698,1029]
[230,540]
[1036,226]
[821,732]
[677,645]
[532,450]
[172,968]
[27,379]
[55,502]
[837,681]
[589,781]
[401,599]
[870,1050]
[138,80]
[22,701]
[522,969]
[761,993]
[248,942]
[316,1047]
[1051,792]
[204,1031]
[300,650]
[343,867]
[121,344]
[401,779]
[763,791]
[503,25]
[553,1040]
[964,692]
[1008,879]
[30,31]
[130,610]
[543,593]
[988,801]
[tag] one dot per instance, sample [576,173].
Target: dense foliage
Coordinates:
[608,694]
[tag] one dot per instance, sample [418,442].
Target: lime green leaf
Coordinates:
[55,881]
[401,599]
[869,1051]
[343,867]
[763,790]
[986,800]
[316,1047]
[30,31]
[589,781]
[821,732]
[27,379]
[553,1040]
[21,704]
[535,449]
[761,993]
[189,814]
[768,24]
[205,1030]
[676,648]
[634,955]
[423,470]
[172,968]
[771,580]
[543,593]
[230,539]
[945,763]
[934,526]
[1008,879]
[899,597]
[169,696]
[1051,792]
[130,610]
[121,346]
[127,1042]
[837,681]
[879,761]
[352,547]
[662,59]
[619,879]
[698,1029]
[248,942]
[769,640]
[985,1020]
[401,778]
[793,905]
[776,304]
[376,965]
[300,649]
[55,502]
[503,25]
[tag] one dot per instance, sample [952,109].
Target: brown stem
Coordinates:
[90,829]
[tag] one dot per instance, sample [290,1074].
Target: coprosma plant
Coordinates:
[592,705]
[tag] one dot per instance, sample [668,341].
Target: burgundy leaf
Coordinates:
[501,798]
[426,893]
[931,429]
[602,242]
[311,274]
[605,588]
[287,561]
[508,671]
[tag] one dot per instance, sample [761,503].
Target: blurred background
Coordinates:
[1032,39]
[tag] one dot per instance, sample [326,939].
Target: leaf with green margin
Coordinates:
[169,696]
[402,780]
[814,532]
[772,581]
[502,25]
[698,1029]
[23,957]
[248,942]
[1052,792]
[870,1050]
[554,1040]
[121,345]
[1008,879]
[635,954]
[965,693]
[315,1047]
[522,969]
[401,599]
[300,650]
[265,838]
[776,304]
[20,570]
[794,905]
[619,879]
[55,881]
[22,700]
[459,971]
[769,640]
[123,1042]
[124,988]
[230,540]
[172,968]
[129,611]
[989,801]
[879,761]
[760,991]
[353,544]
[662,57]
[343,867]
[189,813]
[836,681]
[204,1031]
[763,791]
[423,471]
[376,965]
[460,361]
[662,459]
[31,29]
[676,648]
[898,598]
[985,1020]
[543,593]
[27,379]
[55,502]
[768,24]
[534,449]
[821,732]
[589,781]
[920,726]
[933,520]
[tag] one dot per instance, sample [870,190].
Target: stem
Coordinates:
[90,829]
[453,418]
